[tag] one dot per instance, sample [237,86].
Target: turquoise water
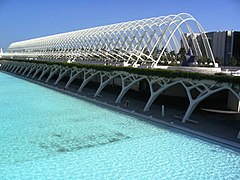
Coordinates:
[48,135]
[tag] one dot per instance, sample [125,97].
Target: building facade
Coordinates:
[225,46]
[235,46]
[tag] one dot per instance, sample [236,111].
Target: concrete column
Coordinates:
[87,80]
[73,76]
[104,84]
[53,71]
[62,73]
[45,70]
[233,102]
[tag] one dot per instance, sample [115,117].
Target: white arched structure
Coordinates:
[196,90]
[143,42]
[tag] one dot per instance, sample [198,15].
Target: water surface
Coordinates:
[48,135]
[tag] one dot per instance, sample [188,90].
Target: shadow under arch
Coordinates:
[89,78]
[196,102]
[176,96]
[224,122]
[45,76]
[132,85]
[138,92]
[75,82]
[224,100]
[37,74]
[173,94]
[110,85]
[91,83]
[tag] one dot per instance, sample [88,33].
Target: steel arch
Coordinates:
[130,43]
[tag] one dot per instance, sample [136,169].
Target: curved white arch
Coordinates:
[131,43]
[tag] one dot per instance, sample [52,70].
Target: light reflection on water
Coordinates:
[48,135]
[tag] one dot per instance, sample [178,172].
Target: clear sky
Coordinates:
[26,19]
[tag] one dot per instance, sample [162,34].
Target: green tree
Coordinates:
[218,60]
[172,57]
[155,53]
[164,59]
[181,54]
[172,54]
[233,61]
[145,53]
[182,51]
[203,61]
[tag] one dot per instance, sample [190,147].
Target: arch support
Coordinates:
[131,80]
[53,71]
[87,78]
[31,70]
[39,68]
[104,83]
[62,73]
[45,70]
[155,94]
[74,74]
[205,93]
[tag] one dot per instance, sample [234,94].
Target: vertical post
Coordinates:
[163,111]
[238,137]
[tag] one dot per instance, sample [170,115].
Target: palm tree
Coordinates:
[172,54]
[182,51]
[181,54]
[155,53]
[218,60]
[145,53]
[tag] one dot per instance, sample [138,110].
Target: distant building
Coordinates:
[236,46]
[225,45]
[217,41]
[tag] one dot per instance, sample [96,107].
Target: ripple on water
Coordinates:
[48,135]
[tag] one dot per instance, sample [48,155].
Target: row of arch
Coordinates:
[196,91]
[133,43]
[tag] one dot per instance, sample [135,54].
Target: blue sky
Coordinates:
[26,19]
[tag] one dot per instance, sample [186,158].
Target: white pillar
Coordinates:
[163,111]
[233,102]
[238,137]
